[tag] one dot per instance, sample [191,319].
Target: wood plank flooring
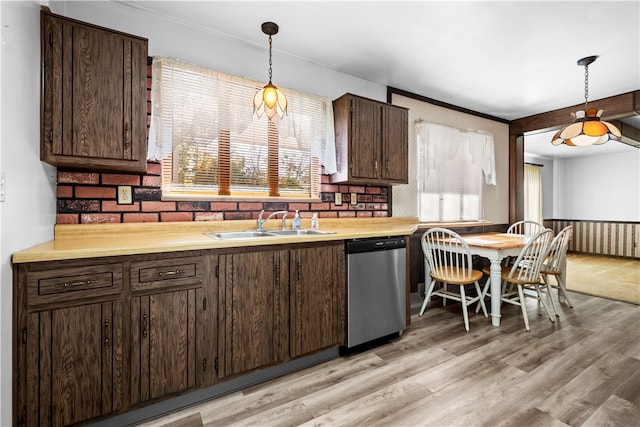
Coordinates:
[592,274]
[582,370]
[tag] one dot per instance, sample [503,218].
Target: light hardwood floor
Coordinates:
[582,370]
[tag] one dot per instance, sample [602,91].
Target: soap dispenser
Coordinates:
[295,223]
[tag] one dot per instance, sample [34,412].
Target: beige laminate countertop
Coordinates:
[74,241]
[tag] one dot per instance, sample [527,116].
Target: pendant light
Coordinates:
[270,99]
[587,128]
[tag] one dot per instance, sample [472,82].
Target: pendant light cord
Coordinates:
[586,86]
[269,58]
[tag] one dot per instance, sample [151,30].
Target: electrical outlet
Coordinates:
[354,199]
[124,195]
[338,199]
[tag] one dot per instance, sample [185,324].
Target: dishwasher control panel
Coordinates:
[375,244]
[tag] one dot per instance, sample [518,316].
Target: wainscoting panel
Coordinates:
[602,237]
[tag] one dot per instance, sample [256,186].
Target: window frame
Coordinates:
[309,145]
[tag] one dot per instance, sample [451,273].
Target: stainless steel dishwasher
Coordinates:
[376,288]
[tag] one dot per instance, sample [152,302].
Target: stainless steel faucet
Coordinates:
[262,222]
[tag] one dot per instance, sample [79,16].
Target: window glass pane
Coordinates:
[449,181]
[219,147]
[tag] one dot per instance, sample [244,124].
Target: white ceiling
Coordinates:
[508,59]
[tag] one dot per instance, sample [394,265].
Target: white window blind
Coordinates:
[451,163]
[211,144]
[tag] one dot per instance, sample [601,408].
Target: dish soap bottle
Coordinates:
[295,223]
[314,221]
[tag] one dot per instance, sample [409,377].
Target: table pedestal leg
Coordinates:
[496,279]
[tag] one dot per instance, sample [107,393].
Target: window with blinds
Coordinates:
[450,167]
[212,145]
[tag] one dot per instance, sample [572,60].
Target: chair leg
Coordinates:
[481,300]
[545,280]
[524,308]
[465,314]
[444,300]
[562,288]
[485,290]
[544,304]
[427,296]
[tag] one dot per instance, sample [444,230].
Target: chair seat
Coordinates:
[548,270]
[456,277]
[514,279]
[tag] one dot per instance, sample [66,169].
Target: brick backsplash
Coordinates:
[91,197]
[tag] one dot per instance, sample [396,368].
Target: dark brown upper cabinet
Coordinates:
[93,96]
[371,141]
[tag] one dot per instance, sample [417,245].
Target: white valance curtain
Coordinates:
[438,144]
[194,102]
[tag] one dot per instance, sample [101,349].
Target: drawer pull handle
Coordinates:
[169,273]
[73,284]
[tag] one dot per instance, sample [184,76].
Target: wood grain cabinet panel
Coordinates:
[68,341]
[96,337]
[173,329]
[94,104]
[317,298]
[371,141]
[254,310]
[395,144]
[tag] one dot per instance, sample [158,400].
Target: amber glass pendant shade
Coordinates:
[587,128]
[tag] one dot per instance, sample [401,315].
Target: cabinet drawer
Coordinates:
[162,273]
[73,283]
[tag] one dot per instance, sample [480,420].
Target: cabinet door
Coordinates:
[364,138]
[317,298]
[395,144]
[74,364]
[94,97]
[165,357]
[254,310]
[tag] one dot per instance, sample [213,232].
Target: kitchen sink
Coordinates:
[251,234]
[226,235]
[299,232]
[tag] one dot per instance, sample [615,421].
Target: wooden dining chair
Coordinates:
[528,228]
[525,274]
[448,260]
[555,265]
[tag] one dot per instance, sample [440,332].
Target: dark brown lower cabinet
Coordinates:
[173,331]
[77,372]
[68,342]
[317,298]
[97,337]
[254,310]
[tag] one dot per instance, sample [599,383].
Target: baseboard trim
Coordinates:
[177,403]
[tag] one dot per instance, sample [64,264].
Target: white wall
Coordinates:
[605,188]
[28,214]
[596,188]
[495,197]
[27,217]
